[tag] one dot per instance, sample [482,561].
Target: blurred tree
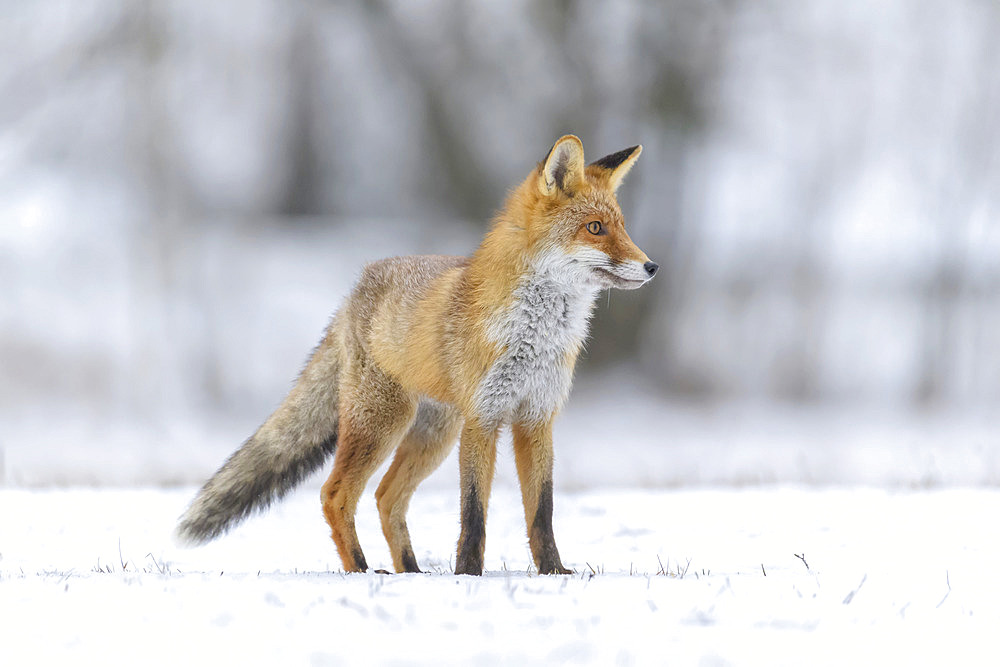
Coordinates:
[819,186]
[679,48]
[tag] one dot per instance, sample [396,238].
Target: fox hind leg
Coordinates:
[425,446]
[375,414]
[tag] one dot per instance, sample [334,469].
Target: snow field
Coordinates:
[677,577]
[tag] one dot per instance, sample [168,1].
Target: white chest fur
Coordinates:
[531,379]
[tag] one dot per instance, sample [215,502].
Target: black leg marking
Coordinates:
[359,560]
[541,539]
[473,536]
[409,561]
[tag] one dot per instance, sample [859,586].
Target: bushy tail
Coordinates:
[292,443]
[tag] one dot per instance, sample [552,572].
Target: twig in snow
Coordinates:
[947,580]
[763,570]
[850,596]
[162,568]
[802,557]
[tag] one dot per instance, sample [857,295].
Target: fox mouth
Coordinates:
[618,281]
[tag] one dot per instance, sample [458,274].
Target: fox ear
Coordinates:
[562,168]
[611,169]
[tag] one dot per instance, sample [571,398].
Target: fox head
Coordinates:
[571,222]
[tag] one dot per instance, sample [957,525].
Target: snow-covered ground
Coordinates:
[765,576]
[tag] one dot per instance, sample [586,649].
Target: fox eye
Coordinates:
[595,228]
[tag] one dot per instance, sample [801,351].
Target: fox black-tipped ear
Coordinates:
[611,169]
[562,168]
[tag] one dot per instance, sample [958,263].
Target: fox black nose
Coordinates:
[651,268]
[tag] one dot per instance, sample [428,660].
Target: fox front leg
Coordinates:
[477,458]
[533,455]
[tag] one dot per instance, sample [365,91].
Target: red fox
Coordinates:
[429,349]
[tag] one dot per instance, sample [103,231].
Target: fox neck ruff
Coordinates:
[540,332]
